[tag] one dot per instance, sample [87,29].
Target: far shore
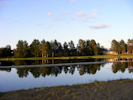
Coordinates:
[61,64]
[70,57]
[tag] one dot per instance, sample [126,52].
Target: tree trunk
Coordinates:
[47,57]
[52,54]
[42,53]
[52,61]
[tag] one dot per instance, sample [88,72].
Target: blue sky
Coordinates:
[65,20]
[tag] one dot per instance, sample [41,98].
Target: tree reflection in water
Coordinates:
[89,69]
[22,72]
[5,69]
[121,66]
[55,71]
[82,69]
[4,63]
[130,67]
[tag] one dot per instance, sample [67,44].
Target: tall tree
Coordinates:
[6,51]
[132,46]
[93,47]
[81,47]
[93,43]
[35,50]
[89,49]
[65,48]
[22,49]
[72,50]
[99,48]
[71,45]
[42,47]
[54,47]
[95,50]
[25,48]
[49,50]
[114,45]
[123,46]
[60,50]
[119,49]
[129,47]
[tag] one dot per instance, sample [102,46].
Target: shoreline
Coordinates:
[115,89]
[61,64]
[70,57]
[54,65]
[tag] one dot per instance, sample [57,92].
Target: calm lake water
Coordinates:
[25,78]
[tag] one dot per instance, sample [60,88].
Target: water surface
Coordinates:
[25,78]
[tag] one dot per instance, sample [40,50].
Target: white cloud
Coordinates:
[80,14]
[50,14]
[40,24]
[99,26]
[2,3]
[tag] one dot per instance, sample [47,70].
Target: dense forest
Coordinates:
[55,49]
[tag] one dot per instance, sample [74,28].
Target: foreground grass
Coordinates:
[111,90]
[72,57]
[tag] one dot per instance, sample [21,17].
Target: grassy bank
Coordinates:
[72,57]
[110,90]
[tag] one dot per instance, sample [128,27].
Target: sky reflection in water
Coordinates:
[25,78]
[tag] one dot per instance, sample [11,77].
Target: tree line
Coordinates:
[6,51]
[121,47]
[55,49]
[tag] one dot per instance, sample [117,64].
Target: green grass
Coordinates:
[71,57]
